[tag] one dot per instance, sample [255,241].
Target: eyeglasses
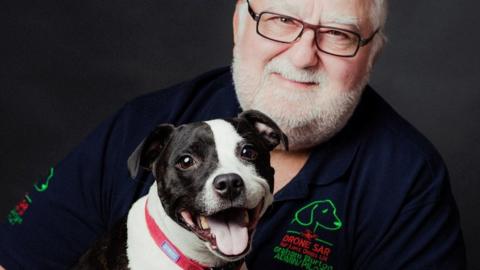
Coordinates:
[330,40]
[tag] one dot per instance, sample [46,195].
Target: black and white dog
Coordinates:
[213,182]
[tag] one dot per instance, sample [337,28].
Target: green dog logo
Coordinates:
[318,214]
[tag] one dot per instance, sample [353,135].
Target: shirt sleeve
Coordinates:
[91,189]
[67,210]
[422,232]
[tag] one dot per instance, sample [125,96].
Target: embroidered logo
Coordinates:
[15,216]
[302,245]
[318,214]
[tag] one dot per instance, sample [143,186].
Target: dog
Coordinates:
[213,181]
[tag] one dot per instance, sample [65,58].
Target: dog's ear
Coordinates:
[267,128]
[149,149]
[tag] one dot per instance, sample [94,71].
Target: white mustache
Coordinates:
[286,70]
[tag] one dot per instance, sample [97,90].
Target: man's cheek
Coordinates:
[342,75]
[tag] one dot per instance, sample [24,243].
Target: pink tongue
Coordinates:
[231,236]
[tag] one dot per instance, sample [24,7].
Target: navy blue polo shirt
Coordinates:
[376,196]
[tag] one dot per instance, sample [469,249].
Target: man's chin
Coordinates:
[307,137]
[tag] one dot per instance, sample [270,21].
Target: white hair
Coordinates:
[378,19]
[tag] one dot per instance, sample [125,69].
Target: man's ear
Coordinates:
[235,21]
[267,128]
[149,149]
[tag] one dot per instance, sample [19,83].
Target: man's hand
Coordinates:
[1,268]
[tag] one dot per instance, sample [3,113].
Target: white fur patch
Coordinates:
[226,141]
[262,128]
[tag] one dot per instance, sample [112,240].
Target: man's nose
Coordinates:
[304,52]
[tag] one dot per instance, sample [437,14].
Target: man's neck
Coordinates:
[287,165]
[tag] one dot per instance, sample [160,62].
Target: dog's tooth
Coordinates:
[246,217]
[204,223]
[188,218]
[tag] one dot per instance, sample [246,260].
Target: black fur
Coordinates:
[109,252]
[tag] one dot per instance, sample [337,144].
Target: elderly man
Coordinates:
[360,188]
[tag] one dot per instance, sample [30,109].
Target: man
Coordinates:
[360,189]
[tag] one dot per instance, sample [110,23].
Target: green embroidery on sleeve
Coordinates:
[28,199]
[44,185]
[16,215]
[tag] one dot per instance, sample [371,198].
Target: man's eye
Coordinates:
[282,20]
[185,162]
[248,153]
[285,20]
[338,34]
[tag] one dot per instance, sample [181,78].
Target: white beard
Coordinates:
[308,117]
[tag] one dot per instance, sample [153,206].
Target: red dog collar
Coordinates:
[168,247]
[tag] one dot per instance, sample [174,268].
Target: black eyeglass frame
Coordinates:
[361,41]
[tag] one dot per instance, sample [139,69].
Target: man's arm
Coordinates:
[67,209]
[422,229]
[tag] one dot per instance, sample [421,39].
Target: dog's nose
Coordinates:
[228,186]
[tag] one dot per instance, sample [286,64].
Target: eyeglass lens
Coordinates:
[286,29]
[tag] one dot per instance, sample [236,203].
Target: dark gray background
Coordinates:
[67,65]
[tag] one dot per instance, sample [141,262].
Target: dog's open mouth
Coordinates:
[228,231]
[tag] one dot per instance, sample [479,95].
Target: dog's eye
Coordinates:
[185,162]
[248,153]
